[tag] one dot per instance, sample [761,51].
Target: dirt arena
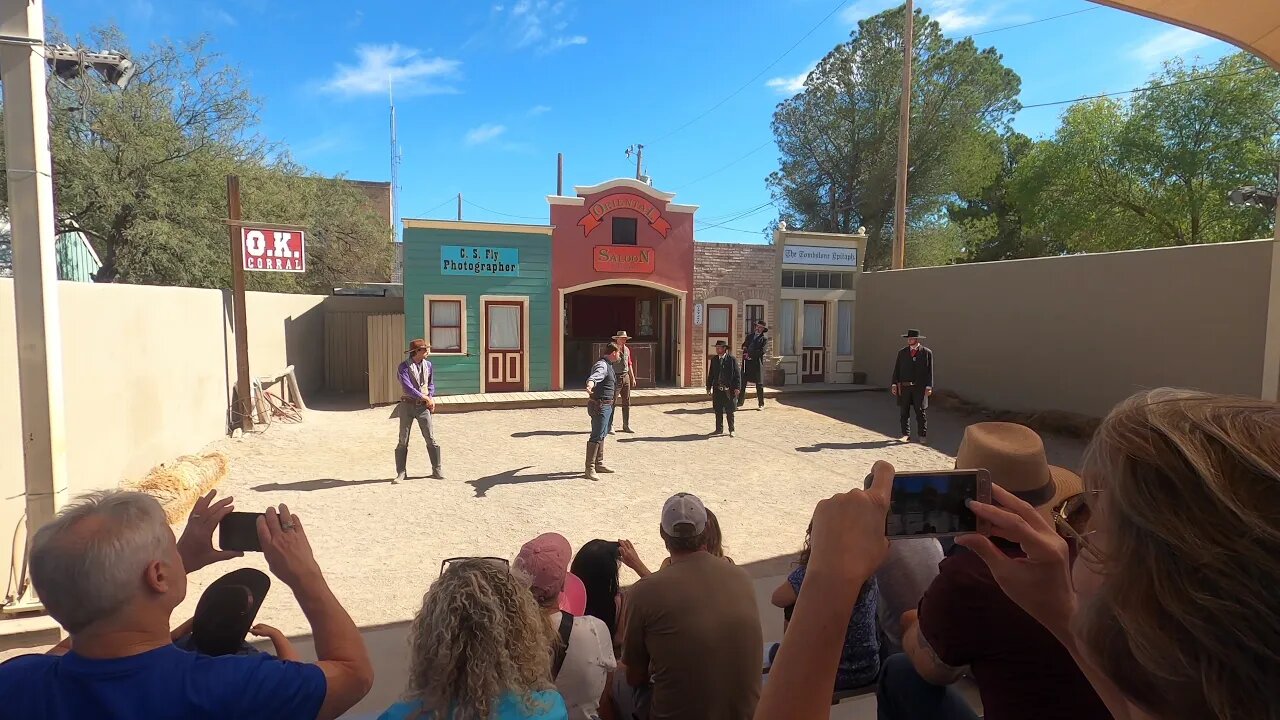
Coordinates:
[515,473]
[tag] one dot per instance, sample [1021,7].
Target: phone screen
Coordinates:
[239,531]
[932,504]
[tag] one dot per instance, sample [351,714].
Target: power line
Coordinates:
[1175,83]
[437,207]
[762,146]
[495,212]
[1033,22]
[757,76]
[748,213]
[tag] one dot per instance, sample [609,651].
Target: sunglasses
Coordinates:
[503,562]
[1072,518]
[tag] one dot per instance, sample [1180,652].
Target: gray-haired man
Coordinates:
[110,572]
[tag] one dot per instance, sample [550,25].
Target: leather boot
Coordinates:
[626,419]
[600,466]
[402,460]
[437,470]
[592,449]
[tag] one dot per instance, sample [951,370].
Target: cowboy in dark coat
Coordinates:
[753,351]
[913,384]
[723,381]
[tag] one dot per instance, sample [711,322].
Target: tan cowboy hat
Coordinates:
[1014,455]
[416,345]
[622,335]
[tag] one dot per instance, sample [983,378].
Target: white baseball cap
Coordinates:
[683,509]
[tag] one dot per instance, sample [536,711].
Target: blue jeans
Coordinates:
[601,424]
[904,695]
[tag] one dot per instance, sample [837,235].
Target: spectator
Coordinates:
[715,548]
[225,614]
[1177,614]
[908,568]
[583,652]
[479,650]
[692,641]
[966,620]
[860,654]
[109,571]
[800,681]
[596,564]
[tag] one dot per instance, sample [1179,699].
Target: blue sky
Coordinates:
[488,91]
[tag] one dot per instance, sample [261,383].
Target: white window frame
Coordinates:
[839,328]
[796,322]
[462,320]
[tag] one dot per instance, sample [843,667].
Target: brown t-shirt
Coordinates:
[695,624]
[1021,669]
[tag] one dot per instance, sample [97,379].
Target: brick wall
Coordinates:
[741,272]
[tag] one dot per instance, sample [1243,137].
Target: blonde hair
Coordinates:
[1187,619]
[478,636]
[715,541]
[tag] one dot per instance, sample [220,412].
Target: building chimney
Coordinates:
[559,173]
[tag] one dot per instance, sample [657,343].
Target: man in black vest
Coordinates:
[913,384]
[753,349]
[723,381]
[602,385]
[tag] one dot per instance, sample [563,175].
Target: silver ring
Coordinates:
[287,526]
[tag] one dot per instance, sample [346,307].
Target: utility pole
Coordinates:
[459,207]
[29,167]
[904,137]
[638,151]
[239,313]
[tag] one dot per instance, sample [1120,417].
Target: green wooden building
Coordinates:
[480,293]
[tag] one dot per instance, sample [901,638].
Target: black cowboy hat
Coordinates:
[721,343]
[914,334]
[761,324]
[227,610]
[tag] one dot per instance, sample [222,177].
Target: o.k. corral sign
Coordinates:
[274,250]
[624,201]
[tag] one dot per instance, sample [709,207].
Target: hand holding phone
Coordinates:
[935,503]
[239,531]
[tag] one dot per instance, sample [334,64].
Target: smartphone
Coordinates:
[239,531]
[932,503]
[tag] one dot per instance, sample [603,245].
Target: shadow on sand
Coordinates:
[512,477]
[323,484]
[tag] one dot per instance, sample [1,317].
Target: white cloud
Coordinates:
[484,133]
[790,85]
[952,15]
[407,72]
[563,42]
[218,15]
[863,9]
[1168,44]
[144,9]
[537,110]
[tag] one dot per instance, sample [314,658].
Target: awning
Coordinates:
[1253,25]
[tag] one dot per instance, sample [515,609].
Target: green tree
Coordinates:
[838,138]
[990,225]
[1156,170]
[142,172]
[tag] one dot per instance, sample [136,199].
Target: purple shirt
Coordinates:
[410,385]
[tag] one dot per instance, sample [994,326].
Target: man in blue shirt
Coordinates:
[602,386]
[110,572]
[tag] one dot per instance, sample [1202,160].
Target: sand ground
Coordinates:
[513,474]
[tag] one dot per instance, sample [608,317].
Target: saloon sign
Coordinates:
[624,201]
[623,259]
[274,250]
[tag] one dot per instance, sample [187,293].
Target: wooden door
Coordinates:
[813,348]
[504,346]
[719,327]
[667,343]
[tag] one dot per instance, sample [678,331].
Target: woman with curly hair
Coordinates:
[479,650]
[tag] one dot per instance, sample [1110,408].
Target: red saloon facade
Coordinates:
[622,260]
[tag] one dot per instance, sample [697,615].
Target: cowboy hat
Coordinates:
[761,324]
[913,333]
[227,610]
[721,343]
[1014,456]
[622,335]
[416,345]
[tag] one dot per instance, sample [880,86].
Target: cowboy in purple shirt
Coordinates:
[417,402]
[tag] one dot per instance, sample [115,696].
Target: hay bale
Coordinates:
[178,484]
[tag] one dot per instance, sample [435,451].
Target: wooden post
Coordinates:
[244,404]
[904,137]
[559,173]
[459,207]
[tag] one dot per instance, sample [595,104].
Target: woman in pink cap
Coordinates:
[583,655]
